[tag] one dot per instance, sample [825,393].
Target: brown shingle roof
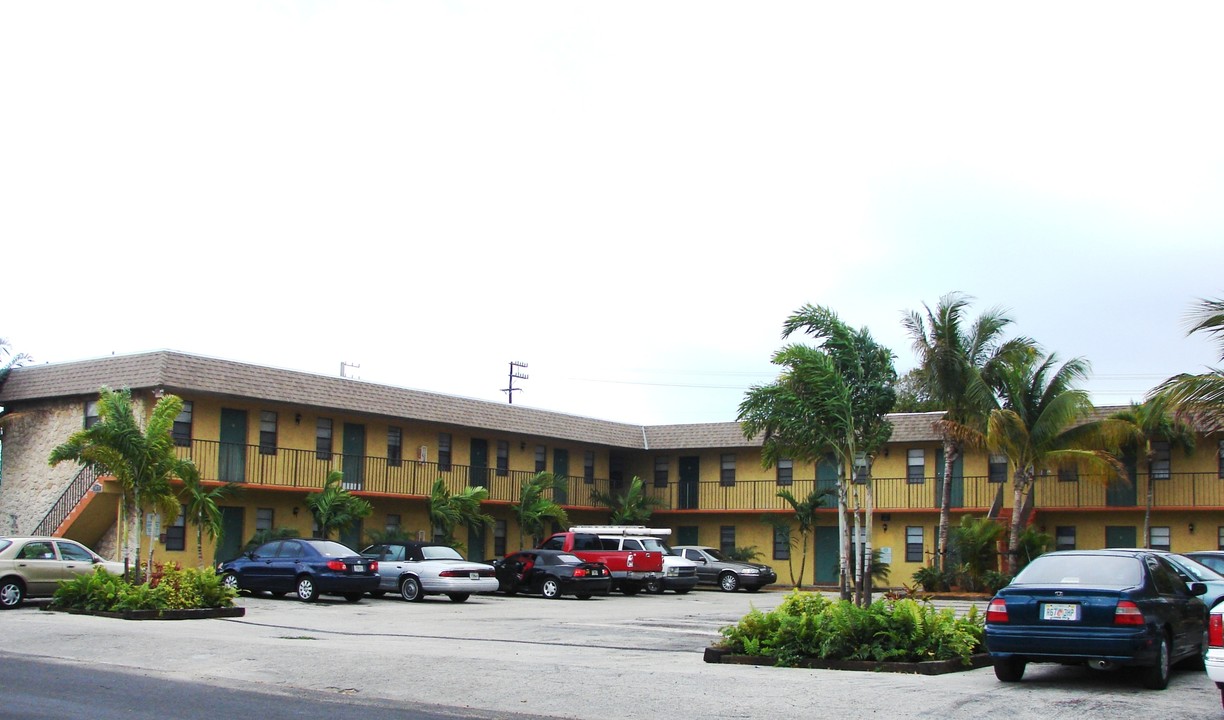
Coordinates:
[182,373]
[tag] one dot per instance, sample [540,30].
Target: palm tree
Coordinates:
[804,517]
[202,508]
[828,399]
[957,361]
[1043,426]
[1201,397]
[1151,422]
[8,361]
[632,507]
[533,510]
[447,510]
[335,508]
[142,460]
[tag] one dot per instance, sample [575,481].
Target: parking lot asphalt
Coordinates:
[614,657]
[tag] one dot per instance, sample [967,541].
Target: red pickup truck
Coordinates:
[630,568]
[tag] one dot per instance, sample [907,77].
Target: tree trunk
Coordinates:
[1147,511]
[843,552]
[945,504]
[867,580]
[1020,484]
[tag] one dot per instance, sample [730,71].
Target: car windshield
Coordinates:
[5,543]
[716,554]
[1112,571]
[440,552]
[1199,571]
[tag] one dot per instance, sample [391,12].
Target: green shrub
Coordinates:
[932,579]
[170,589]
[809,625]
[995,581]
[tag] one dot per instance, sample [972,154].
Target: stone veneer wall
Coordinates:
[29,486]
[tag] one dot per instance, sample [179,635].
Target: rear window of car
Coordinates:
[568,559]
[1109,571]
[440,552]
[333,549]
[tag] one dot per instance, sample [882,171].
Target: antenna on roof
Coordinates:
[514,374]
[344,366]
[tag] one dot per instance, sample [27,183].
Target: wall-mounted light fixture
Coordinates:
[885,451]
[295,510]
[297,418]
[885,527]
[522,444]
[1191,527]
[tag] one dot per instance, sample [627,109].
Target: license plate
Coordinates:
[359,568]
[474,575]
[1063,612]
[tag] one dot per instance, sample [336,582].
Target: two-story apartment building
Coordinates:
[277,433]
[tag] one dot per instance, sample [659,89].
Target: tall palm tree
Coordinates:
[8,361]
[447,510]
[1043,426]
[1201,397]
[335,508]
[958,360]
[1151,422]
[202,507]
[632,507]
[142,460]
[534,510]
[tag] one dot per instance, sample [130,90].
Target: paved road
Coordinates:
[613,658]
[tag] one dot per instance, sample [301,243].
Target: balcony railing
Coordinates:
[307,469]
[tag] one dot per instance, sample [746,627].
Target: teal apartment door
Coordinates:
[958,480]
[230,542]
[690,476]
[231,461]
[1120,536]
[478,462]
[826,559]
[353,462]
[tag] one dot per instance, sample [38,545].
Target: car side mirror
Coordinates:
[1198,588]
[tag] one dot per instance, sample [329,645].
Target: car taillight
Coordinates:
[337,565]
[373,565]
[1215,630]
[580,572]
[996,611]
[1128,613]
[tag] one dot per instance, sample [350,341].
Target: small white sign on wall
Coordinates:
[886,555]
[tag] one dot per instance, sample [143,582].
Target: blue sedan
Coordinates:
[303,566]
[1103,608]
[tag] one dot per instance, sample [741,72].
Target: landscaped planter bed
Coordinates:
[933,667]
[196,614]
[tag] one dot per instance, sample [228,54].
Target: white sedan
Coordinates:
[1215,648]
[416,569]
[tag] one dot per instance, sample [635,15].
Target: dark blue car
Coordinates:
[1103,608]
[303,566]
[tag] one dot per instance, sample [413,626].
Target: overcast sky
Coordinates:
[628,196]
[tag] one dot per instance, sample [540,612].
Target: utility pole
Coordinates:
[514,373]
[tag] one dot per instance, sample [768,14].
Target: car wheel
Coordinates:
[550,588]
[229,581]
[729,582]
[12,592]
[654,586]
[583,596]
[1009,669]
[459,597]
[1156,677]
[353,597]
[410,589]
[306,590]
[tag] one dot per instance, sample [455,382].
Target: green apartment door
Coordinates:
[1120,536]
[561,470]
[1121,493]
[352,464]
[826,560]
[958,480]
[690,476]
[231,460]
[478,462]
[229,544]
